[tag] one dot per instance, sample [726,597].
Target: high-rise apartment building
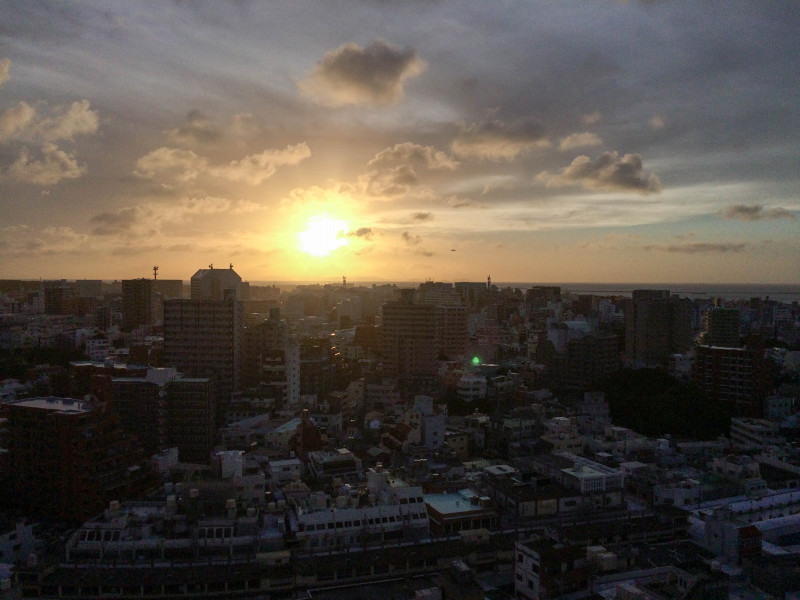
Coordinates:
[263,343]
[451,331]
[409,343]
[737,376]
[723,327]
[656,326]
[216,284]
[138,303]
[203,339]
[164,410]
[68,458]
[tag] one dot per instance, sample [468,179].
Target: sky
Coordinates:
[604,141]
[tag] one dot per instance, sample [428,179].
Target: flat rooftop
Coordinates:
[65,405]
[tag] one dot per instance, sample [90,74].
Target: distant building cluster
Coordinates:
[221,439]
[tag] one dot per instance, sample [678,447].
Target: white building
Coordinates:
[390,510]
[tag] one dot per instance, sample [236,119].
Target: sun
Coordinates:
[323,235]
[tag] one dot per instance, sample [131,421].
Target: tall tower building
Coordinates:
[216,284]
[203,338]
[723,328]
[138,303]
[264,344]
[409,343]
[656,326]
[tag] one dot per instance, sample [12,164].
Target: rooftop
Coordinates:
[51,403]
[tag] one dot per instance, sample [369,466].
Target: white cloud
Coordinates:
[53,166]
[182,165]
[15,120]
[579,140]
[256,168]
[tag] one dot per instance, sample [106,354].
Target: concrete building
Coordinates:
[216,284]
[735,376]
[545,568]
[203,338]
[67,458]
[656,326]
[452,512]
[409,343]
[138,303]
[164,409]
[387,510]
[723,328]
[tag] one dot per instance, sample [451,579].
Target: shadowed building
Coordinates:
[656,326]
[409,343]
[138,303]
[68,458]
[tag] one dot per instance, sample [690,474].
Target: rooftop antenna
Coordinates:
[489,282]
[155,272]
[211,266]
[230,266]
[344,281]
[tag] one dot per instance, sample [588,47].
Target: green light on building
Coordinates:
[476,361]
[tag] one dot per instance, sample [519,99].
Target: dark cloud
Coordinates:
[108,223]
[755,212]
[699,247]
[411,239]
[362,232]
[607,172]
[422,216]
[496,140]
[196,128]
[355,75]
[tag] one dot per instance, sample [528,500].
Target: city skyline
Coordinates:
[617,141]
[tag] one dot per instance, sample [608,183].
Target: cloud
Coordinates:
[23,241]
[362,76]
[755,212]
[362,232]
[496,140]
[699,247]
[4,66]
[457,202]
[591,118]
[79,119]
[196,128]
[393,182]
[422,216]
[396,173]
[22,122]
[410,239]
[243,125]
[579,140]
[148,219]
[409,152]
[172,163]
[656,122]
[256,168]
[15,120]
[607,172]
[113,223]
[53,166]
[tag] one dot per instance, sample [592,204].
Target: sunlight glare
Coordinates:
[323,235]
